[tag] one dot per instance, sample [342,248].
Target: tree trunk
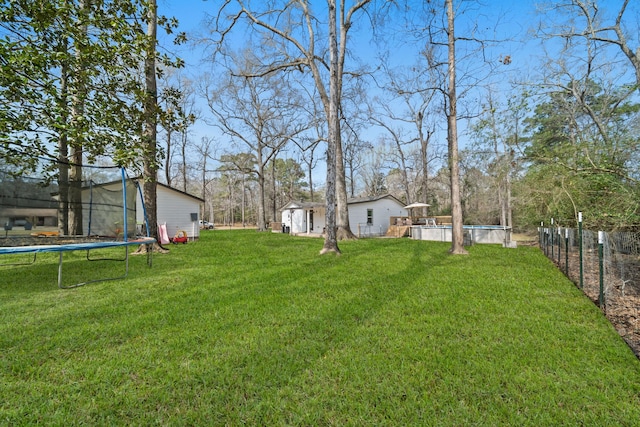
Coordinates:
[77,129]
[343,227]
[63,156]
[274,189]
[75,192]
[424,151]
[262,200]
[330,239]
[149,133]
[311,183]
[167,162]
[243,198]
[183,149]
[457,236]
[508,191]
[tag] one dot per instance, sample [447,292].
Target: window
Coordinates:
[369,216]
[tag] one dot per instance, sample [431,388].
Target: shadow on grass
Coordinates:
[256,328]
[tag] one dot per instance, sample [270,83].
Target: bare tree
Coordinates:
[407,111]
[309,142]
[457,64]
[308,147]
[457,238]
[178,115]
[260,115]
[588,20]
[354,159]
[500,143]
[206,151]
[373,171]
[300,40]
[399,140]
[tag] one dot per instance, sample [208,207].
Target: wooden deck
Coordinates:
[398,231]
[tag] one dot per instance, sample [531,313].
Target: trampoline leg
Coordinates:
[126,272]
[14,264]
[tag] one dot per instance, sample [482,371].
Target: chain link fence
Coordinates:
[606,266]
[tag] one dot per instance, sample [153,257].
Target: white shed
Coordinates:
[304,217]
[178,210]
[368,216]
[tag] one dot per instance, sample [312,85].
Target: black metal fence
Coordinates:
[606,266]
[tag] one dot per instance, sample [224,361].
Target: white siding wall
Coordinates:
[175,210]
[300,220]
[296,219]
[319,220]
[383,210]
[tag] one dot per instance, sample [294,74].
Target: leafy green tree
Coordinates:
[290,177]
[71,87]
[582,156]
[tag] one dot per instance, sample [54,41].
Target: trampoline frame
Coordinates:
[88,246]
[36,249]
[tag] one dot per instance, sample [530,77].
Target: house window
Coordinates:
[369,216]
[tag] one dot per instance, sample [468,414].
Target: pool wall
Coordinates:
[493,234]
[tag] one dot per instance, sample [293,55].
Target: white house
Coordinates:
[368,216]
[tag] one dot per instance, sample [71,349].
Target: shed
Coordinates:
[303,217]
[177,209]
[368,216]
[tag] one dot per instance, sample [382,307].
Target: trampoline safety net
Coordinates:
[32,206]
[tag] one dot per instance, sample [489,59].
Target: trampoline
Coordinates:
[86,246]
[107,216]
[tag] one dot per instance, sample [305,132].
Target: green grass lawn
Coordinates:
[248,328]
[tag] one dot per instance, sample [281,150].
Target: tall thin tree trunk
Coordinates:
[77,128]
[501,203]
[262,200]
[343,227]
[183,149]
[457,236]
[424,152]
[243,198]
[311,183]
[274,190]
[63,154]
[75,192]
[507,183]
[330,239]
[167,161]
[149,132]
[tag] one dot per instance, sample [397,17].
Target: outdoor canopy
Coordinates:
[417,205]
